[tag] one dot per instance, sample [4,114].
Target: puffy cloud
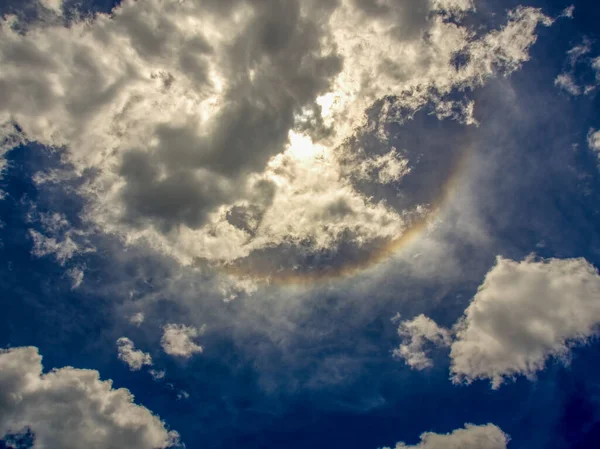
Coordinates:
[594,141]
[488,436]
[134,358]
[251,103]
[419,331]
[70,408]
[524,313]
[177,340]
[137,318]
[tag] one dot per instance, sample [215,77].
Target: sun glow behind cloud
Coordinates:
[253,144]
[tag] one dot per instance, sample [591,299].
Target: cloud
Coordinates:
[137,318]
[524,313]
[419,331]
[594,141]
[566,82]
[251,103]
[135,359]
[70,408]
[487,436]
[571,79]
[76,274]
[60,239]
[177,340]
[63,250]
[157,375]
[54,5]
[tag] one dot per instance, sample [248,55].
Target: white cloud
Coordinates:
[76,274]
[71,408]
[419,331]
[488,436]
[565,81]
[54,5]
[63,249]
[134,358]
[214,171]
[177,340]
[137,318]
[568,11]
[594,141]
[383,169]
[157,375]
[569,80]
[183,395]
[524,313]
[60,240]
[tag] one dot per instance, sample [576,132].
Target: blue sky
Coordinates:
[187,167]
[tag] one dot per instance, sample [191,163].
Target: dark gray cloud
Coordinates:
[409,16]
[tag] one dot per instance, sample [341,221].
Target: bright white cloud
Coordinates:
[245,127]
[134,358]
[72,408]
[487,436]
[524,313]
[177,340]
[419,332]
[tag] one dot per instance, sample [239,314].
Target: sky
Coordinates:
[299,223]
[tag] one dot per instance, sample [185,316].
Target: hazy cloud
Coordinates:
[245,94]
[487,436]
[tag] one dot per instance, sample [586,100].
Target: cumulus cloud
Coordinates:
[487,436]
[523,314]
[134,358]
[419,331]
[177,340]
[70,408]
[251,103]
